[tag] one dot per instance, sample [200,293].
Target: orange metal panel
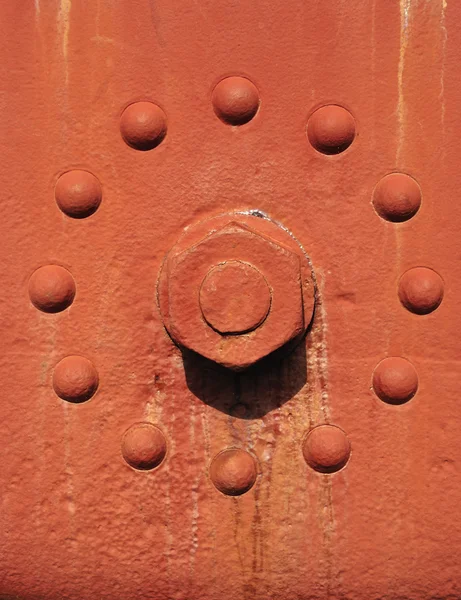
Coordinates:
[314,452]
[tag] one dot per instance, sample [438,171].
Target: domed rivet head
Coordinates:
[143,446]
[75,379]
[235,100]
[143,125]
[233,471]
[78,194]
[234,298]
[421,290]
[395,380]
[331,129]
[397,197]
[326,448]
[51,289]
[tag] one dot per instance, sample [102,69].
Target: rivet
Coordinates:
[326,448]
[235,100]
[233,471]
[421,290]
[397,197]
[78,193]
[143,446]
[143,125]
[395,380]
[331,129]
[75,379]
[234,298]
[51,288]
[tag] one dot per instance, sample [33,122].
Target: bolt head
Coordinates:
[264,246]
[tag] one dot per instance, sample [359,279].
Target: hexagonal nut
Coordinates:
[235,289]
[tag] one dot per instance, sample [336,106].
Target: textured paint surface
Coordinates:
[76,521]
[263,245]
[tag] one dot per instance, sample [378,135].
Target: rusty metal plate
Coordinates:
[268,408]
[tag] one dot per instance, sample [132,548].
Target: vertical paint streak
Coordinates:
[194,493]
[319,357]
[169,536]
[318,410]
[63,27]
[327,525]
[49,331]
[405,6]
[322,362]
[68,470]
[444,5]
[373,66]
[194,524]
[37,10]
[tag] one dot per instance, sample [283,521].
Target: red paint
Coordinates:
[331,129]
[78,193]
[143,125]
[51,288]
[326,449]
[395,380]
[421,290]
[234,298]
[235,100]
[279,263]
[233,472]
[397,197]
[75,379]
[144,446]
[77,520]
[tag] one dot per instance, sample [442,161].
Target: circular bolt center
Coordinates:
[234,298]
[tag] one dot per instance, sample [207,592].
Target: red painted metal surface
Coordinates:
[282,468]
[262,314]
